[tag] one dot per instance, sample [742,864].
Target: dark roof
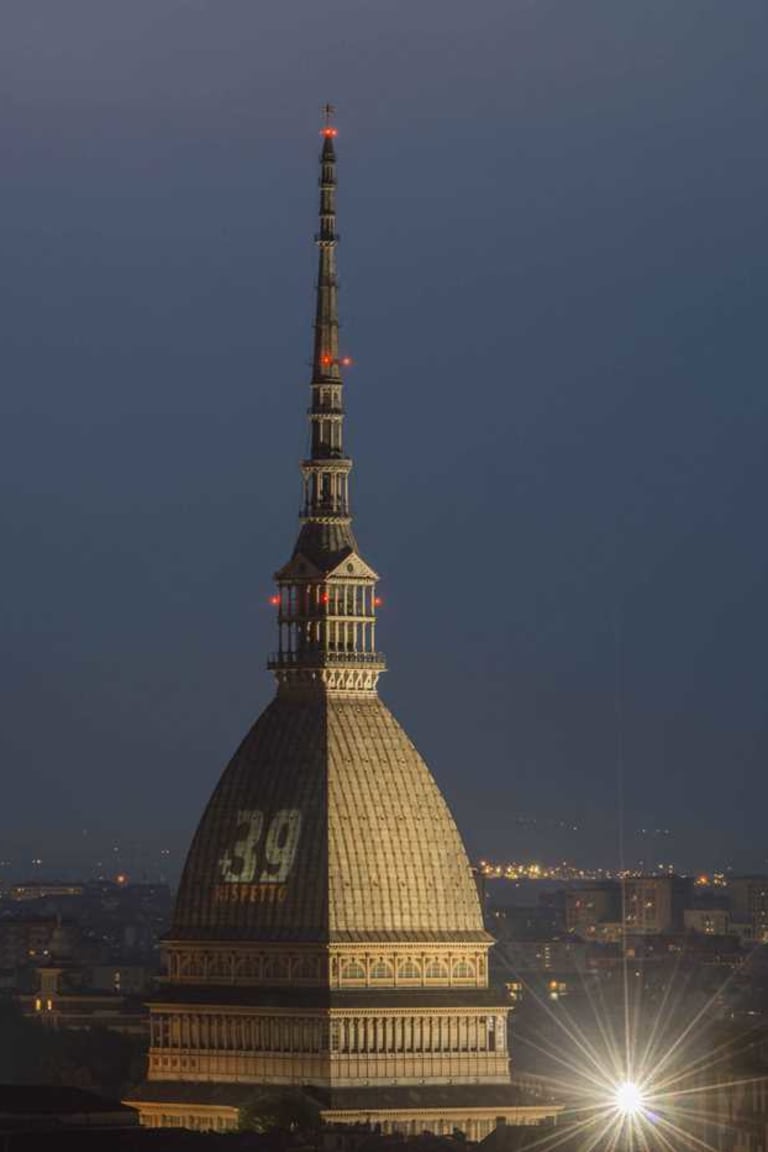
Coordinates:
[431,1096]
[325,545]
[439,1096]
[311,998]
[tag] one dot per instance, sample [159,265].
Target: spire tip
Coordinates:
[328,113]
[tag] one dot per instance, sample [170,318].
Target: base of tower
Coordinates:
[473,1109]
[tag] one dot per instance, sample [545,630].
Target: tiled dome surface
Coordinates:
[378,854]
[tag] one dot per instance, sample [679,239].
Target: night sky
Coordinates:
[554,268]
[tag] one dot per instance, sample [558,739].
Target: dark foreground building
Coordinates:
[328,932]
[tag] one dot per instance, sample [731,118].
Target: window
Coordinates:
[382,970]
[408,970]
[436,970]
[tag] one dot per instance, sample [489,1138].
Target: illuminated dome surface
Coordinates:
[327,825]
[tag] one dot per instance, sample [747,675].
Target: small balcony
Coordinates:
[321,658]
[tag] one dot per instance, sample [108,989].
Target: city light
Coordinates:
[629,1098]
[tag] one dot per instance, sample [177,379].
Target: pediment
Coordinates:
[352,567]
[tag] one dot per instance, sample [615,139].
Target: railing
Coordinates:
[326,508]
[322,658]
[325,612]
[323,454]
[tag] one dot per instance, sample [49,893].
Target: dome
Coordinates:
[327,826]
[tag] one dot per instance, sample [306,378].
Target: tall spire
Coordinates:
[326,592]
[326,472]
[325,362]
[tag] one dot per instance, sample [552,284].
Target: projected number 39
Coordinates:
[267,858]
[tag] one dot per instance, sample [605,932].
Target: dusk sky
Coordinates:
[554,268]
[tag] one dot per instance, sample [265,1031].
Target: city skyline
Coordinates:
[588,440]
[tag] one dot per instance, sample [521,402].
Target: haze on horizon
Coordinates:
[554,268]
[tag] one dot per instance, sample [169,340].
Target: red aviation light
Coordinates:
[344,361]
[275,601]
[377,601]
[324,598]
[329,131]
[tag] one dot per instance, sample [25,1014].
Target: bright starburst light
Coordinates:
[629,1098]
[645,1058]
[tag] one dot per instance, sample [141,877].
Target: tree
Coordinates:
[289,1110]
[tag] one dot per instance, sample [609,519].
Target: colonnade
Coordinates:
[370,1034]
[418,1033]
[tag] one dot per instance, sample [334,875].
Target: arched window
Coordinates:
[463,970]
[352,970]
[275,968]
[408,970]
[303,969]
[436,970]
[382,970]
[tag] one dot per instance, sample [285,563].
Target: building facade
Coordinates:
[589,907]
[328,934]
[748,896]
[654,905]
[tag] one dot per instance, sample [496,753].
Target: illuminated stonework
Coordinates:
[328,931]
[327,825]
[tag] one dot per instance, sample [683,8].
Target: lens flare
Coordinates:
[628,1098]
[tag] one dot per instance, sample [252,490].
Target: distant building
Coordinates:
[25,940]
[589,907]
[707,921]
[744,931]
[527,957]
[65,996]
[609,932]
[525,923]
[748,897]
[654,905]
[39,890]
